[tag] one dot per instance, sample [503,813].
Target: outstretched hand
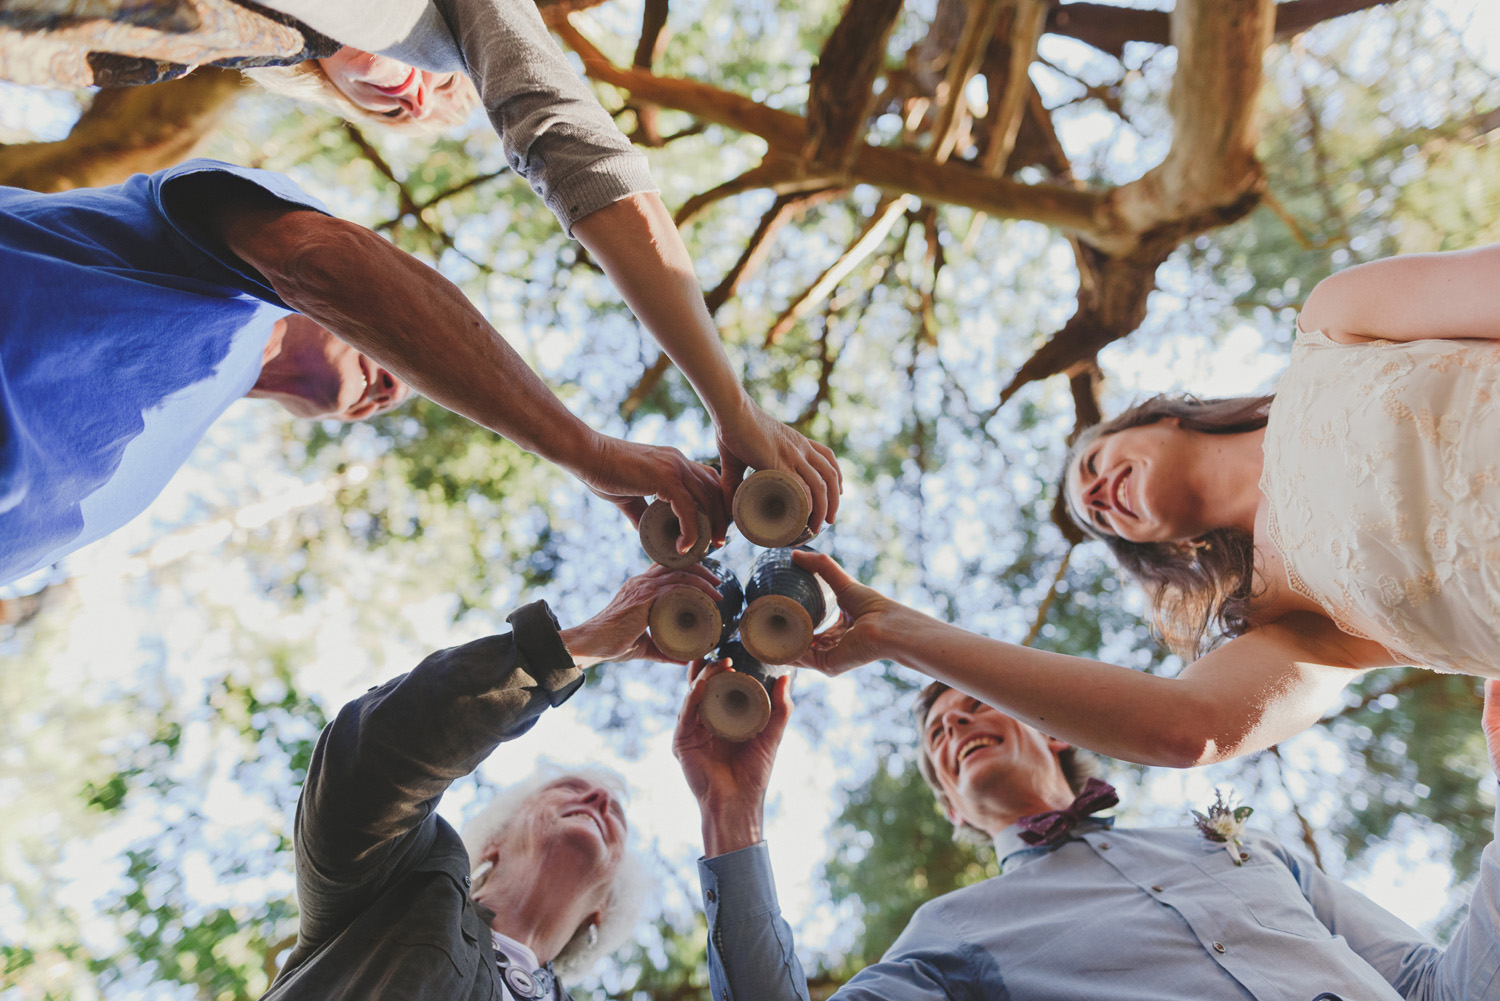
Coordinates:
[618,632]
[728,779]
[858,637]
[626,473]
[756,440]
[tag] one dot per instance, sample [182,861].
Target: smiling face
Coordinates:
[990,767]
[574,826]
[389,87]
[1134,484]
[312,373]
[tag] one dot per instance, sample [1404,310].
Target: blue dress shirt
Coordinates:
[1130,915]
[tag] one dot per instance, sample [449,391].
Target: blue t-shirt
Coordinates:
[124,333]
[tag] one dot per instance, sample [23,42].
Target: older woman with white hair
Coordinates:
[411,63]
[524,844]
[393,905]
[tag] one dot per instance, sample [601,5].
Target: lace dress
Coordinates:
[1382,474]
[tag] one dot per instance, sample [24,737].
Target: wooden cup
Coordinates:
[685,623]
[776,629]
[659,532]
[736,706]
[771,509]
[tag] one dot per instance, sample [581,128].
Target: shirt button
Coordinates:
[1219,947]
[468,881]
[1156,887]
[710,896]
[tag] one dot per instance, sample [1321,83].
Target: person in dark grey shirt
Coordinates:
[392,904]
[555,134]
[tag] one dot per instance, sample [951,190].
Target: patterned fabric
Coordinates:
[1382,476]
[121,44]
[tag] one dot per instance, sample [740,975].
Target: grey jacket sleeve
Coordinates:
[553,129]
[367,807]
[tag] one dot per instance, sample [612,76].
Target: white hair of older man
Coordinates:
[627,892]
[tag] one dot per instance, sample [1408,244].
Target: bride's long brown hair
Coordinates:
[1198,586]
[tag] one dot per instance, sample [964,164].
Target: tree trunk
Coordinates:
[127,131]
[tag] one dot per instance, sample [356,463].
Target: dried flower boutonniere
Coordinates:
[1225,824]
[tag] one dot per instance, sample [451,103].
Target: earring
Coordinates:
[592,935]
[480,874]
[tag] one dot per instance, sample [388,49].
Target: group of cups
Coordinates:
[761,628]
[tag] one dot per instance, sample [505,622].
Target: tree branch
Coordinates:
[841,89]
[126,131]
[895,170]
[1107,27]
[876,229]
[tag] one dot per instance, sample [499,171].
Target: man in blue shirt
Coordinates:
[134,315]
[1082,909]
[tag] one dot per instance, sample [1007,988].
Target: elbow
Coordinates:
[1195,738]
[320,262]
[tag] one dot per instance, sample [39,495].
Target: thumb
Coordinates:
[731,474]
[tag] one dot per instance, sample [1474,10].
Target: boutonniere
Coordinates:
[1224,824]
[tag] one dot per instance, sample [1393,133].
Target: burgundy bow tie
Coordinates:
[1049,828]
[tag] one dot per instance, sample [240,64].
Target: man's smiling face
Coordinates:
[990,767]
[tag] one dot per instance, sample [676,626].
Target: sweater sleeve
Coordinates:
[554,131]
[368,805]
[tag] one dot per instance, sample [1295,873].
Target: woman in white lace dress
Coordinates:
[1350,522]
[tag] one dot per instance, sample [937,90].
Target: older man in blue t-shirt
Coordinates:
[135,314]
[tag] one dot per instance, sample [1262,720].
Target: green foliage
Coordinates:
[896,852]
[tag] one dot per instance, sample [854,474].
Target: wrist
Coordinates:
[731,408]
[892,633]
[731,827]
[580,450]
[584,646]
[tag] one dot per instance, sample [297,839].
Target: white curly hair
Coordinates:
[627,892]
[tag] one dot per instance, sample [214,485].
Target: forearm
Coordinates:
[1113,710]
[416,323]
[390,753]
[1469,968]
[636,243]
[1411,297]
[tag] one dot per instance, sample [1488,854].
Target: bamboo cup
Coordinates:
[659,532]
[737,704]
[771,509]
[687,624]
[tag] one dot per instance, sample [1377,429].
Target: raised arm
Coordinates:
[638,245]
[559,138]
[750,955]
[1410,298]
[1245,696]
[420,326]
[382,764]
[1468,969]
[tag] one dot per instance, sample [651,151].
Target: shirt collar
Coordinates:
[520,955]
[1010,849]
